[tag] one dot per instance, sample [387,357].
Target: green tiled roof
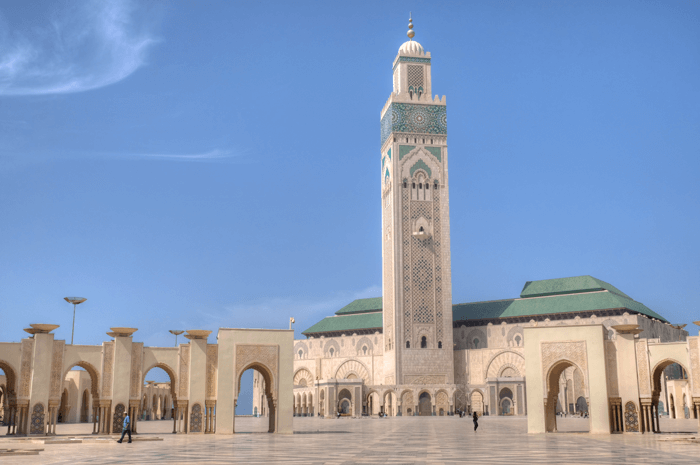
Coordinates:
[546,297]
[362,306]
[573,285]
[548,305]
[347,323]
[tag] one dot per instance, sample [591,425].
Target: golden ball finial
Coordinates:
[411,33]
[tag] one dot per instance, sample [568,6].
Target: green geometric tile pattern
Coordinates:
[435,151]
[420,164]
[412,118]
[405,150]
[410,60]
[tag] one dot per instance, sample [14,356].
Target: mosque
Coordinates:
[412,352]
[577,345]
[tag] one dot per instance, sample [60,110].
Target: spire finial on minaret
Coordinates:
[410,32]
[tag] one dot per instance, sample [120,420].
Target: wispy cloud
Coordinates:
[81,46]
[215,154]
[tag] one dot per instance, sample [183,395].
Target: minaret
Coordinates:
[417,287]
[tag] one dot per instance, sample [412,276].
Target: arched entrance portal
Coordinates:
[263,372]
[553,378]
[345,402]
[9,400]
[86,406]
[173,409]
[581,405]
[425,405]
[506,401]
[664,371]
[477,403]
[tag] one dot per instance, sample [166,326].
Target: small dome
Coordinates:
[412,48]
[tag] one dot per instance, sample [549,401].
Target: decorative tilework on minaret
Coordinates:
[417,289]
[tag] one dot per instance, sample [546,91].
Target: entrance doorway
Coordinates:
[506,401]
[345,402]
[425,405]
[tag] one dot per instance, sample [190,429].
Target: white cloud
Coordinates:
[82,46]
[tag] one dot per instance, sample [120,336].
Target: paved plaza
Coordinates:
[407,440]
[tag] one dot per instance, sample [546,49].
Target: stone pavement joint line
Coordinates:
[392,441]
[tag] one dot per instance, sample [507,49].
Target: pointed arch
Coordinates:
[171,373]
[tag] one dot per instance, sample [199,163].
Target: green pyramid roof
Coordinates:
[373,304]
[545,297]
[575,285]
[347,323]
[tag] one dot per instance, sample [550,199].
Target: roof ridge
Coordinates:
[485,301]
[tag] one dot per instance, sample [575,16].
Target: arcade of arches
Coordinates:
[45,381]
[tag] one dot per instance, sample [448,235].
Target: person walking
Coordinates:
[126,429]
[476,421]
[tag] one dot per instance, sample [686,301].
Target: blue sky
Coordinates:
[196,165]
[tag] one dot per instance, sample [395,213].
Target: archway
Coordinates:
[425,405]
[665,371]
[553,386]
[164,378]
[86,406]
[505,401]
[262,424]
[373,403]
[345,402]
[477,403]
[581,405]
[506,404]
[390,403]
[9,399]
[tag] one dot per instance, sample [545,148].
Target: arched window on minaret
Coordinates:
[408,344]
[423,342]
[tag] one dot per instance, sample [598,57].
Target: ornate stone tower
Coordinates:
[417,286]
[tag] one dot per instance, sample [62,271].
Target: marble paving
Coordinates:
[392,441]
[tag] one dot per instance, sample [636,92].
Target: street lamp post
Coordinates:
[75,301]
[291,320]
[176,332]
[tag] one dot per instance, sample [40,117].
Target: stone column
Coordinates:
[133,414]
[94,417]
[273,414]
[176,415]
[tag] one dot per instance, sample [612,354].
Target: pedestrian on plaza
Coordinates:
[476,421]
[126,428]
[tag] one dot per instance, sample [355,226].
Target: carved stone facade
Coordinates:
[254,354]
[212,365]
[136,369]
[107,369]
